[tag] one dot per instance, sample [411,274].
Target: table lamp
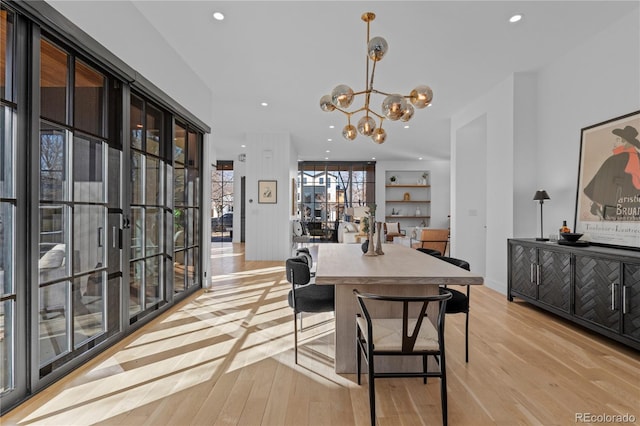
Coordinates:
[541,195]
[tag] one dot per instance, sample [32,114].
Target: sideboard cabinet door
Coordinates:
[554,282]
[523,270]
[631,301]
[597,291]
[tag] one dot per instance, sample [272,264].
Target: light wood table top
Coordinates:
[345,264]
[401,271]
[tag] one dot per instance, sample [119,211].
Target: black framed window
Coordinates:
[149,253]
[187,148]
[327,189]
[73,313]
[8,202]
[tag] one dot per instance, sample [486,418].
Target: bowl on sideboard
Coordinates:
[571,236]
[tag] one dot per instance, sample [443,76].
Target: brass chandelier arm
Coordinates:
[394,106]
[349,114]
[381,117]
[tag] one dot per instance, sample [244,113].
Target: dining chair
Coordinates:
[304,251]
[459,302]
[413,334]
[436,239]
[306,296]
[429,251]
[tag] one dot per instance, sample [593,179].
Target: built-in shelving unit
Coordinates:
[408,198]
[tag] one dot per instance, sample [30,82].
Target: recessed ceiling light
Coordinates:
[327,151]
[264,104]
[515,18]
[326,158]
[218,16]
[329,140]
[428,106]
[373,158]
[243,146]
[332,127]
[419,158]
[407,126]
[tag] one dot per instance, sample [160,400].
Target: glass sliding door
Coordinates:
[149,250]
[74,174]
[73,307]
[186,198]
[8,203]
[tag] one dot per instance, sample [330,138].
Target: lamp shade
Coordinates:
[541,195]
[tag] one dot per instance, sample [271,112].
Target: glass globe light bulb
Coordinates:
[377,48]
[342,96]
[326,103]
[366,126]
[407,113]
[379,135]
[421,96]
[394,106]
[349,132]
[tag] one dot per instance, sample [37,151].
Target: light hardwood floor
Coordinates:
[225,357]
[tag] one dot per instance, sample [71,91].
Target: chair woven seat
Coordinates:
[387,334]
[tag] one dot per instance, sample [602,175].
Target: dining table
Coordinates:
[400,271]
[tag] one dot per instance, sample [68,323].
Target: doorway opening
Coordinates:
[222,202]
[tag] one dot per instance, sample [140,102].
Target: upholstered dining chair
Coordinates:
[306,296]
[436,239]
[413,334]
[428,251]
[459,302]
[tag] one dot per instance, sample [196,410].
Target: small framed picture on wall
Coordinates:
[267,191]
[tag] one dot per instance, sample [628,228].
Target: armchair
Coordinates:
[392,229]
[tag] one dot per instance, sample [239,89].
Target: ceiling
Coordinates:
[290,53]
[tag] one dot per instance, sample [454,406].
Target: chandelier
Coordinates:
[394,106]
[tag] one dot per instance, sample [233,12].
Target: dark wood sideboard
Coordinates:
[596,287]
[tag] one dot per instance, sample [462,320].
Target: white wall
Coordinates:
[471,198]
[533,135]
[525,138]
[122,28]
[267,226]
[208,163]
[597,81]
[497,105]
[439,173]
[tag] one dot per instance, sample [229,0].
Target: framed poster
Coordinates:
[267,191]
[608,199]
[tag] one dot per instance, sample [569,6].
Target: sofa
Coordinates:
[348,233]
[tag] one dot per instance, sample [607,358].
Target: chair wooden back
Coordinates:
[435,239]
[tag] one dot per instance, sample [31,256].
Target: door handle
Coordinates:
[613,296]
[531,273]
